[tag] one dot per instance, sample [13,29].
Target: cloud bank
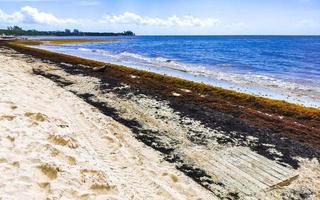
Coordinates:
[11,18]
[31,15]
[130,18]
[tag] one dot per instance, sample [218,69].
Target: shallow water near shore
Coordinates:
[279,67]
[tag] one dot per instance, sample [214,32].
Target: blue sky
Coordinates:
[167,17]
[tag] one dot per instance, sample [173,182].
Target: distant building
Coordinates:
[67,31]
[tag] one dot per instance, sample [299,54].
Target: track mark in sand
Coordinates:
[118,170]
[60,123]
[49,170]
[63,141]
[173,177]
[13,107]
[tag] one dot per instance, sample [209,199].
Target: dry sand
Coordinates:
[53,145]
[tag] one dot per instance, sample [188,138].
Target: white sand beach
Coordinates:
[53,145]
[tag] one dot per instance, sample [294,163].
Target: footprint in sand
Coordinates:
[63,141]
[16,164]
[101,188]
[3,160]
[7,117]
[97,182]
[69,159]
[49,170]
[44,185]
[8,141]
[37,117]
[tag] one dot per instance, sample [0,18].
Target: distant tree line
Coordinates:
[18,31]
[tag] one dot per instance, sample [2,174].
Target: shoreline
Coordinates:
[257,111]
[215,79]
[33,43]
[190,124]
[300,98]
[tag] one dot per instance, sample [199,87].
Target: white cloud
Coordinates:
[135,19]
[10,18]
[32,15]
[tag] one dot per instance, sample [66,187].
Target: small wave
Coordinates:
[84,49]
[216,72]
[100,52]
[159,62]
[136,56]
[209,71]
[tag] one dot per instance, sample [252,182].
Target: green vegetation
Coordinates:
[58,41]
[66,41]
[18,31]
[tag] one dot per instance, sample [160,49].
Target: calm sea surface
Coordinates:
[282,67]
